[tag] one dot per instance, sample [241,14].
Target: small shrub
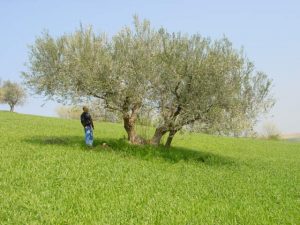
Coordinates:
[270,131]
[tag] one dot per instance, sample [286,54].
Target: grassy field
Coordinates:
[47,176]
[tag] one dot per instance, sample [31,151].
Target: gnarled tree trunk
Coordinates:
[129,125]
[129,119]
[12,108]
[159,133]
[170,138]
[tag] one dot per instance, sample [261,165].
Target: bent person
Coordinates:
[87,123]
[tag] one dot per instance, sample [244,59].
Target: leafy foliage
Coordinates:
[12,94]
[209,83]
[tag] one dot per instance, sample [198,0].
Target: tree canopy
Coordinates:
[12,94]
[185,79]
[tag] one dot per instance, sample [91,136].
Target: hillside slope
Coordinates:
[47,176]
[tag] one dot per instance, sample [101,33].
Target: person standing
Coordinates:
[87,123]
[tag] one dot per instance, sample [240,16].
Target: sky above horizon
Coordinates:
[267,30]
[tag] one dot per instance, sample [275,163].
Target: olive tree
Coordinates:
[12,94]
[206,82]
[184,79]
[84,65]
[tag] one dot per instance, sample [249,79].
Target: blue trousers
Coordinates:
[89,137]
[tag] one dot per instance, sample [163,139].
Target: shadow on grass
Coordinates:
[145,152]
[67,141]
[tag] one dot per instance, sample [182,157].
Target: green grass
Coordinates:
[47,176]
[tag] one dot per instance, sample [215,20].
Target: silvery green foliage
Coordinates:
[209,83]
[83,65]
[68,68]
[12,94]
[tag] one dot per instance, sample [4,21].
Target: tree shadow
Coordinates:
[146,152]
[66,141]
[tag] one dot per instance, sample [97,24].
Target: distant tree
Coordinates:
[96,109]
[270,131]
[12,94]
[69,112]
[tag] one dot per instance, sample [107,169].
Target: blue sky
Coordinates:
[268,31]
